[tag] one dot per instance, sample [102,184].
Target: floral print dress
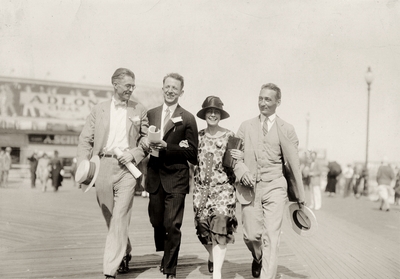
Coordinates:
[214,199]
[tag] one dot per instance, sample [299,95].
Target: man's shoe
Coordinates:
[256,268]
[162,265]
[171,276]
[210,266]
[124,266]
[109,277]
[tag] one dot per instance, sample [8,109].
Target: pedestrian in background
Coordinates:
[334,170]
[358,183]
[214,199]
[7,162]
[43,169]
[33,162]
[348,174]
[315,182]
[397,187]
[1,166]
[386,180]
[73,171]
[56,167]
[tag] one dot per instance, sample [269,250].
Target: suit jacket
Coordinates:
[171,168]
[250,131]
[94,135]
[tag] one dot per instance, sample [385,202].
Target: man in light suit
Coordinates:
[268,175]
[121,123]
[168,174]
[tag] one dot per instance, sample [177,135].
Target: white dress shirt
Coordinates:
[117,136]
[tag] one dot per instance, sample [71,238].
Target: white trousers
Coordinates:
[115,189]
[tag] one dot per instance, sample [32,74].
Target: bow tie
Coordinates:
[120,104]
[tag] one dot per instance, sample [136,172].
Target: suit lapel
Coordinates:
[255,134]
[130,114]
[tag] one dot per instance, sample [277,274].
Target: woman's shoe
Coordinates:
[210,267]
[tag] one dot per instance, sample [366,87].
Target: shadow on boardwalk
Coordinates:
[62,235]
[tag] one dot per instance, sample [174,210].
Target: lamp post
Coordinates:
[368,78]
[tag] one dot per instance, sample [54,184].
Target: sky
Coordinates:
[317,52]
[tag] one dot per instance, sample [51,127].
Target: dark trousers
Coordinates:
[166,215]
[33,179]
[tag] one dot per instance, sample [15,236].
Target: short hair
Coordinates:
[272,87]
[175,76]
[120,73]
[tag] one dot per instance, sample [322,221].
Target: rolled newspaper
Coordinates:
[131,167]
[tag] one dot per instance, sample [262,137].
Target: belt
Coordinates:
[107,155]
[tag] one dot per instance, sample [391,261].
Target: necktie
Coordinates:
[265,126]
[166,118]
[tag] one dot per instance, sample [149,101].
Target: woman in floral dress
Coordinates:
[214,198]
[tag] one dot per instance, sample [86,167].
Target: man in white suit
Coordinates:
[121,123]
[268,176]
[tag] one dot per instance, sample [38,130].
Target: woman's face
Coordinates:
[213,116]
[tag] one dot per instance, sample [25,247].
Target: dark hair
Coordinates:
[175,76]
[272,87]
[120,73]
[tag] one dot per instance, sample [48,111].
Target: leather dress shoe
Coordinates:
[210,266]
[171,276]
[109,277]
[256,268]
[124,266]
[162,265]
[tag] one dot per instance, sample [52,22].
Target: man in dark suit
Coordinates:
[168,172]
[116,123]
[269,172]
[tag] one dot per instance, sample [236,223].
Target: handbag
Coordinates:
[233,143]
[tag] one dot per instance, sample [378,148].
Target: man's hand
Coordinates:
[159,145]
[125,158]
[301,204]
[248,180]
[237,154]
[144,143]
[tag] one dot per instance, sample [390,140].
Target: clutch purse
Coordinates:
[233,143]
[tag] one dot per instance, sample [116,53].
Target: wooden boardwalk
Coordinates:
[62,235]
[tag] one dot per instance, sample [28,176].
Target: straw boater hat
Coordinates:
[303,220]
[212,102]
[87,172]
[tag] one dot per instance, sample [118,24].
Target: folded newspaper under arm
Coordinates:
[131,167]
[154,137]
[233,143]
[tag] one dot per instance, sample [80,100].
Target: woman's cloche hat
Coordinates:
[212,102]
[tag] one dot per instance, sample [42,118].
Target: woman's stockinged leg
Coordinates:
[218,252]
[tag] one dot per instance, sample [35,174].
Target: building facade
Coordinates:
[37,115]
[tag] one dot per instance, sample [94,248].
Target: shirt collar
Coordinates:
[271,118]
[171,108]
[118,103]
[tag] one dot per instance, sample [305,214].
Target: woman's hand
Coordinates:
[237,154]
